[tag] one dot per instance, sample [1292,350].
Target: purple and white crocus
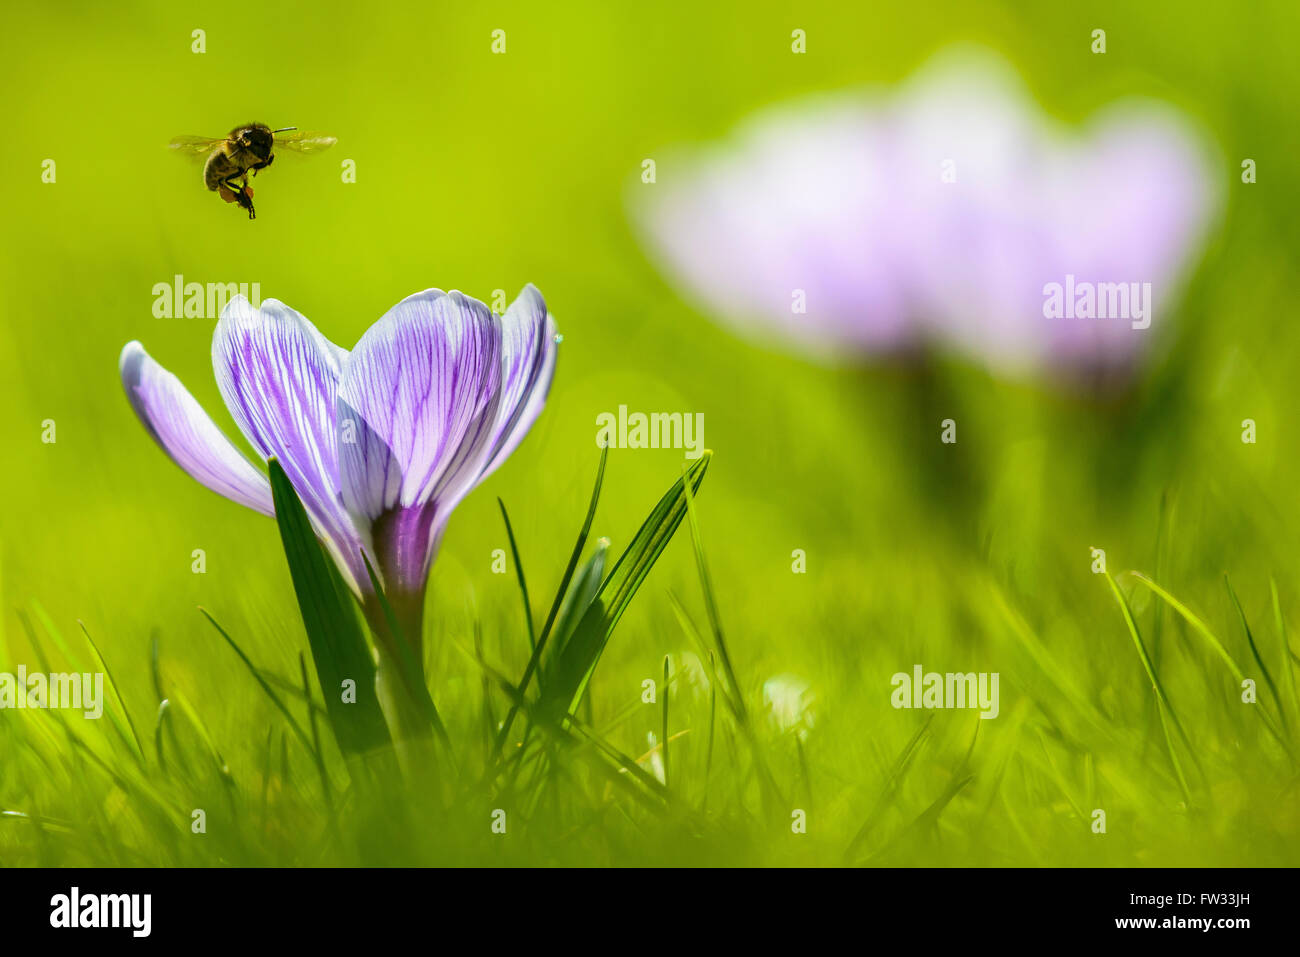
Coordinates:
[873,223]
[381,443]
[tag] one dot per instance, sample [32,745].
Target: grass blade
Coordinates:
[257,676]
[1162,699]
[664,728]
[1254,651]
[1201,628]
[519,574]
[577,662]
[574,556]
[771,792]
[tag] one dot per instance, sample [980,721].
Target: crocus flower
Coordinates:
[380,444]
[874,223]
[789,702]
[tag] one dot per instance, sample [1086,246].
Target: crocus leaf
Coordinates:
[578,599]
[338,640]
[577,661]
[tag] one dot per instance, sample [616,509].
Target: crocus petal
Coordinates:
[419,395]
[187,434]
[1142,199]
[791,228]
[1125,199]
[279,377]
[974,238]
[528,351]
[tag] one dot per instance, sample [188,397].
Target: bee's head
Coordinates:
[257,139]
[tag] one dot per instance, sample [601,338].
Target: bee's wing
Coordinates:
[194,145]
[305,141]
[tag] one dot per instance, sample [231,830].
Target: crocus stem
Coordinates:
[406,719]
[404,625]
[397,639]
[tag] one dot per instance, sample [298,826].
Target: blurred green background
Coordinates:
[478,171]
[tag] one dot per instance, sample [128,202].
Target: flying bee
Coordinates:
[248,148]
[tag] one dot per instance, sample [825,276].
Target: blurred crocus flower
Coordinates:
[789,699]
[380,444]
[942,213]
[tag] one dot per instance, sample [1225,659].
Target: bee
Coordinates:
[248,148]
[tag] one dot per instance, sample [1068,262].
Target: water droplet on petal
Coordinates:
[558,338]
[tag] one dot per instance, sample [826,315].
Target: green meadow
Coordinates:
[740,709]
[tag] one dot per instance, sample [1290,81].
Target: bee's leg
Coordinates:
[263,165]
[243,195]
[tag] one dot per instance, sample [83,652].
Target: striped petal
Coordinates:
[417,408]
[279,377]
[528,351]
[187,434]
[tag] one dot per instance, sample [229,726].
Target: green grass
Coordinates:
[577,786]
